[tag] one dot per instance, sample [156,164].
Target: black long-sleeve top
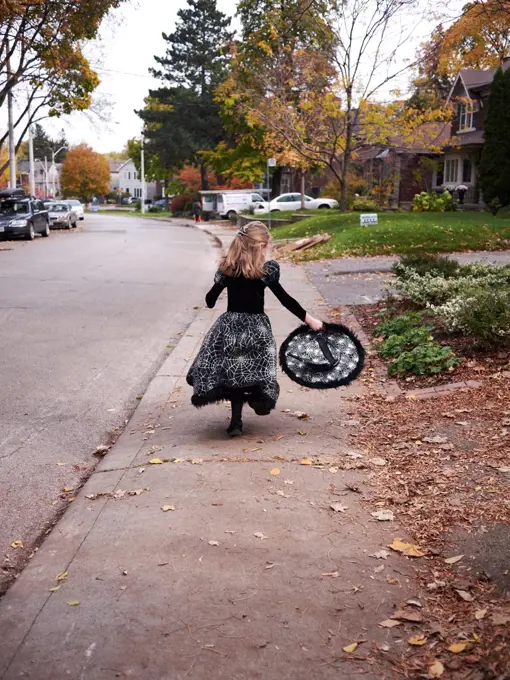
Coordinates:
[247,295]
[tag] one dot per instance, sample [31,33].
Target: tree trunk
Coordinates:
[302,189]
[204,178]
[346,159]
[165,189]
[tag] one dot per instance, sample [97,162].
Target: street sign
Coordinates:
[366,219]
[271,162]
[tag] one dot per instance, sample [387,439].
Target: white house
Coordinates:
[125,179]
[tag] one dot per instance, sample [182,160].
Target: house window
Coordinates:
[135,175]
[129,175]
[465,116]
[451,170]
[467,170]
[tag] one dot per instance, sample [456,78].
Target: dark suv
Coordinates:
[22,216]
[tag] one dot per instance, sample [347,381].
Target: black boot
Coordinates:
[236,423]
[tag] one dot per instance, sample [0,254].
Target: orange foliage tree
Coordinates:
[85,173]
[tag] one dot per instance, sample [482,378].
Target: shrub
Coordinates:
[399,324]
[433,202]
[395,345]
[426,263]
[364,205]
[481,313]
[427,359]
[178,204]
[156,209]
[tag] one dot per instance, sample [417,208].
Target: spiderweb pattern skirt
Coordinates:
[238,357]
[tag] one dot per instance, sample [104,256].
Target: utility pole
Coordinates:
[54,167]
[10,124]
[31,158]
[271,163]
[142,168]
[46,175]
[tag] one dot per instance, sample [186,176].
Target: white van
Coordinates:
[230,203]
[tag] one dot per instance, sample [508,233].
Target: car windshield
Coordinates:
[58,207]
[13,208]
[74,202]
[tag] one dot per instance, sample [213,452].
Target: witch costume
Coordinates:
[238,358]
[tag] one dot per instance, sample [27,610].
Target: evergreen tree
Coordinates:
[495,160]
[182,119]
[44,145]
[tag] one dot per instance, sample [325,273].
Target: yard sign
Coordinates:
[365,219]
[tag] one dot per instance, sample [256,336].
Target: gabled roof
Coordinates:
[116,165]
[473,79]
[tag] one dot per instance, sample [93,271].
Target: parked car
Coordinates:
[22,216]
[128,200]
[62,215]
[291,202]
[77,207]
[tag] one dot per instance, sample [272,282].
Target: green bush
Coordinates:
[399,324]
[427,359]
[156,209]
[138,205]
[480,313]
[395,345]
[433,202]
[364,205]
[426,263]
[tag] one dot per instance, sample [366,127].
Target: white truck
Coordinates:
[231,203]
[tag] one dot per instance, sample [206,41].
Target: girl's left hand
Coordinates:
[314,324]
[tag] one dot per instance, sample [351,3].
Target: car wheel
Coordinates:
[231,214]
[324,206]
[46,231]
[74,224]
[275,210]
[82,218]
[30,235]
[68,225]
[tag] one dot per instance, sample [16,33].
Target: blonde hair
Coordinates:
[247,253]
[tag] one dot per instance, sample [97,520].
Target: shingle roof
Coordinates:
[115,165]
[474,78]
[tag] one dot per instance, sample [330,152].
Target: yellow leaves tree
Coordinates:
[85,173]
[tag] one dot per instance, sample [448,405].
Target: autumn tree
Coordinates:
[322,98]
[182,118]
[495,161]
[85,173]
[478,39]
[42,59]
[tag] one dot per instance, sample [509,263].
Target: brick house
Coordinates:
[470,98]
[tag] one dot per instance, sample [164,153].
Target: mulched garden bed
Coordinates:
[475,363]
[445,474]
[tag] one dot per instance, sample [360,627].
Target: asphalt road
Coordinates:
[85,321]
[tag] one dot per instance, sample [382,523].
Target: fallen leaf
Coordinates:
[413,617]
[458,647]
[155,461]
[435,440]
[62,576]
[288,481]
[453,560]
[464,595]
[383,515]
[74,603]
[500,619]
[436,669]
[378,569]
[278,437]
[377,461]
[259,534]
[333,470]
[505,468]
[213,543]
[67,489]
[229,531]
[17,544]
[197,461]
[302,433]
[300,415]
[480,614]
[306,461]
[178,460]
[61,464]
[333,574]
[389,623]
[168,508]
[409,549]
[54,589]
[414,603]
[275,471]
[338,507]
[351,648]
[282,494]
[417,640]
[381,555]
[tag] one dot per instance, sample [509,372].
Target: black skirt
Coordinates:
[238,357]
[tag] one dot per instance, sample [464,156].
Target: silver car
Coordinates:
[62,215]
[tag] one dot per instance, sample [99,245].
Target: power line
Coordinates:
[123,73]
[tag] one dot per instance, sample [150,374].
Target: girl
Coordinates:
[237,360]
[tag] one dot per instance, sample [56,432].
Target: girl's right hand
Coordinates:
[314,324]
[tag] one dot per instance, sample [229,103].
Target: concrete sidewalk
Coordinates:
[225,559]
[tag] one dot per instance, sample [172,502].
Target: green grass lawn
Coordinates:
[404,232]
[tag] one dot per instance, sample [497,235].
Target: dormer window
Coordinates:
[465,114]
